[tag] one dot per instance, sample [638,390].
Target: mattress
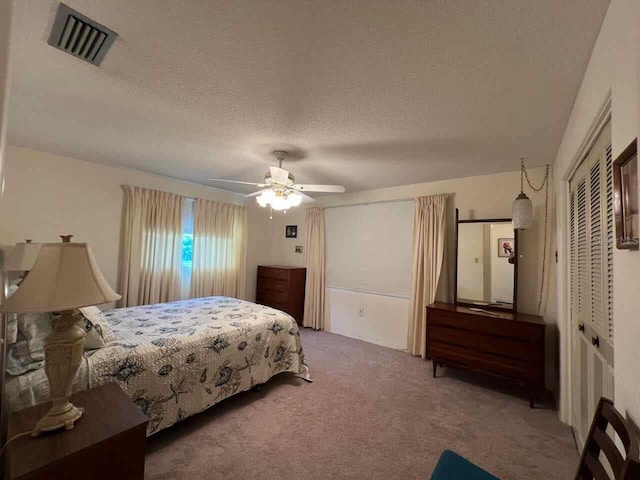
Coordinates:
[179,358]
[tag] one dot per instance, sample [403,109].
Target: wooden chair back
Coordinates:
[625,467]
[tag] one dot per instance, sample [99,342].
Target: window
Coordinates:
[187,247]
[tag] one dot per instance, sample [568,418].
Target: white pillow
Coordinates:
[27,352]
[97,327]
[11,335]
[93,338]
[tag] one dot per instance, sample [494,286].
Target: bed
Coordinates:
[179,358]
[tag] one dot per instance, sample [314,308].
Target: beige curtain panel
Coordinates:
[151,247]
[429,224]
[314,261]
[219,249]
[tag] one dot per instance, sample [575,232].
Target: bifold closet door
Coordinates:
[591,243]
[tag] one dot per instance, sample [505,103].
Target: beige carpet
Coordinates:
[372,413]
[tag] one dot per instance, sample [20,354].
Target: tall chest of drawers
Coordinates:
[282,288]
[507,344]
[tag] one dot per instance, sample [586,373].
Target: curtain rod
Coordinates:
[187,197]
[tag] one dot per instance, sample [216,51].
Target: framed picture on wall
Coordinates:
[291,231]
[505,247]
[625,197]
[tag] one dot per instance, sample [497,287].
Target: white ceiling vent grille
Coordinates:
[80,36]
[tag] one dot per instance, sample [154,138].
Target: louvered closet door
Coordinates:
[591,263]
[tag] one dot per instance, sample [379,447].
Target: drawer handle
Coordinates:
[595,341]
[581,327]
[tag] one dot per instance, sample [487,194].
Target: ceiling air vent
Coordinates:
[80,36]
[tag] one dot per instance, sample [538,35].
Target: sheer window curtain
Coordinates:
[219,249]
[151,247]
[314,261]
[429,225]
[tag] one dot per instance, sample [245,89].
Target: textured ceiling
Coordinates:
[373,93]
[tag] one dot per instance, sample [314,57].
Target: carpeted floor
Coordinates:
[371,413]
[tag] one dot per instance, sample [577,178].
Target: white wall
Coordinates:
[383,323]
[501,269]
[48,195]
[368,247]
[284,249]
[368,254]
[6,15]
[267,242]
[612,71]
[471,271]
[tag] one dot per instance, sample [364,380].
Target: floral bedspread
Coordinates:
[177,359]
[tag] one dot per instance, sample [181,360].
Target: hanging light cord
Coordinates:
[545,183]
[546,226]
[545,180]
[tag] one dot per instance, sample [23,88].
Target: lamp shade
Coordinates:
[22,257]
[65,276]
[522,213]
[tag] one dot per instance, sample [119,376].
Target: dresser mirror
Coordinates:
[486,264]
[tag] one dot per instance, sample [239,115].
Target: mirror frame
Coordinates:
[515,265]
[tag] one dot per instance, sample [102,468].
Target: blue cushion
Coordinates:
[452,466]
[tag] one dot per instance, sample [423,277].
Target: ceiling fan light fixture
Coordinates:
[268,195]
[279,199]
[261,201]
[280,203]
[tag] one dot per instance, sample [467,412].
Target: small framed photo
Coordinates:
[625,197]
[291,231]
[298,248]
[505,247]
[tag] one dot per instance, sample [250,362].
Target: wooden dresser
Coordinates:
[506,344]
[282,288]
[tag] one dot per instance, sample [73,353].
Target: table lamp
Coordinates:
[21,258]
[64,277]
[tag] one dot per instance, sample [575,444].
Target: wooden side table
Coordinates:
[106,443]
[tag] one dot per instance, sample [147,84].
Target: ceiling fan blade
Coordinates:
[279,175]
[306,198]
[238,181]
[319,188]
[255,194]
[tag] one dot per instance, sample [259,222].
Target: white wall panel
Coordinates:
[368,247]
[384,319]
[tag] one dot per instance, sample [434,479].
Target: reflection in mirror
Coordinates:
[486,263]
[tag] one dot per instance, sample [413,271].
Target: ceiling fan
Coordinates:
[282,192]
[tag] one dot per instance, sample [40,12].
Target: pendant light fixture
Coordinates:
[522,211]
[522,216]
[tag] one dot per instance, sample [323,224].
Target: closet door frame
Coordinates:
[590,311]
[569,384]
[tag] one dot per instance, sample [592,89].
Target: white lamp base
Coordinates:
[62,355]
[55,421]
